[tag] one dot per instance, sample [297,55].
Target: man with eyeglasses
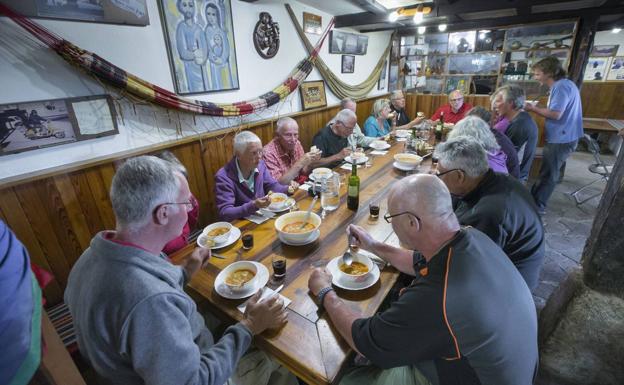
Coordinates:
[333,140]
[242,186]
[497,204]
[134,322]
[455,110]
[466,318]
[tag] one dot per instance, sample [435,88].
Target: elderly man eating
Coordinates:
[397,105]
[134,322]
[467,317]
[333,141]
[284,155]
[243,184]
[497,204]
[455,110]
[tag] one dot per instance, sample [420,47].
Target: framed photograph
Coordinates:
[132,12]
[461,83]
[604,50]
[347,43]
[393,82]
[32,125]
[481,63]
[616,71]
[462,42]
[312,23]
[490,40]
[200,45]
[596,68]
[93,116]
[540,36]
[381,83]
[348,64]
[313,94]
[437,43]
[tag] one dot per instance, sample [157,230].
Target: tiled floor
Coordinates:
[567,224]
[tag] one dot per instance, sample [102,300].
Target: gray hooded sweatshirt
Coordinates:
[136,325]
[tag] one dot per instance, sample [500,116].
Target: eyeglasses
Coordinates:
[389,217]
[439,174]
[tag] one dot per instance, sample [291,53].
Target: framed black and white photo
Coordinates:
[348,64]
[93,117]
[347,43]
[312,23]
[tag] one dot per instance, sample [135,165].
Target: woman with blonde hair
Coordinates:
[377,124]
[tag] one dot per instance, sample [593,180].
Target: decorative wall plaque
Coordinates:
[266,36]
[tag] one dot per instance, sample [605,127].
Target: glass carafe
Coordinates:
[330,193]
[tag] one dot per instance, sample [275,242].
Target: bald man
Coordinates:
[468,316]
[455,110]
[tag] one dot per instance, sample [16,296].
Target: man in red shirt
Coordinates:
[284,156]
[455,110]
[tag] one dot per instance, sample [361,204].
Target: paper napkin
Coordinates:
[266,293]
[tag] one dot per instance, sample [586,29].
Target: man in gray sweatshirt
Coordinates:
[134,322]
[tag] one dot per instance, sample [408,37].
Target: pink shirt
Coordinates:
[278,161]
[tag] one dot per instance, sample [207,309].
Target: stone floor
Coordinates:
[567,224]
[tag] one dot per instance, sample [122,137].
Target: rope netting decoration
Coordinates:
[107,72]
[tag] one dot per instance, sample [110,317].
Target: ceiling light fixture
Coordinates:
[442,27]
[417,13]
[616,30]
[422,29]
[394,16]
[419,16]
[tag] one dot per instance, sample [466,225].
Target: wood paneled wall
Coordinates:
[56,214]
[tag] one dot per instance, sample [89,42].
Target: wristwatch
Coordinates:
[320,297]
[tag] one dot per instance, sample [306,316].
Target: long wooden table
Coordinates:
[599,125]
[308,345]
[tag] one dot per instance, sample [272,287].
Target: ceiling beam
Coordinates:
[511,20]
[607,25]
[370,6]
[444,9]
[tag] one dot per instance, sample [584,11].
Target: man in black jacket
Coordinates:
[498,205]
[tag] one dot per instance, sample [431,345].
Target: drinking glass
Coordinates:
[278,262]
[330,193]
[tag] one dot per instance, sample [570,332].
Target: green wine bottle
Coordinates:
[353,194]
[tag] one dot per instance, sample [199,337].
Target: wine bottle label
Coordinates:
[353,191]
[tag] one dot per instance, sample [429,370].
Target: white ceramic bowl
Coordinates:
[240,265]
[296,216]
[278,201]
[407,160]
[378,144]
[356,278]
[402,133]
[321,172]
[217,238]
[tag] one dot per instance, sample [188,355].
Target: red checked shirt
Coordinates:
[279,161]
[449,115]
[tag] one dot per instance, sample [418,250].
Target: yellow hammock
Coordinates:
[338,87]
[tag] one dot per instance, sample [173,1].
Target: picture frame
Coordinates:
[312,23]
[209,63]
[93,116]
[133,12]
[313,94]
[348,64]
[381,83]
[596,69]
[604,50]
[347,43]
[616,70]
[462,42]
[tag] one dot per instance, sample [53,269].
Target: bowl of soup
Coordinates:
[278,201]
[240,276]
[407,160]
[289,226]
[321,172]
[217,232]
[358,271]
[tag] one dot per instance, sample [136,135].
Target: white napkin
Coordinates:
[373,257]
[347,166]
[401,139]
[304,187]
[379,152]
[266,293]
[260,216]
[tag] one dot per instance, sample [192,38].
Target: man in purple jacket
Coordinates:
[243,183]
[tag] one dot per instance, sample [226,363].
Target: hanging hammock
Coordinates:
[104,70]
[337,86]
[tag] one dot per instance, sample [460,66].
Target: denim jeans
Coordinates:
[553,157]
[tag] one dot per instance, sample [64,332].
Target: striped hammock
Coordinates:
[104,70]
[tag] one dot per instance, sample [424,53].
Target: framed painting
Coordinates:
[93,116]
[348,64]
[313,94]
[32,125]
[312,23]
[604,50]
[200,44]
[347,43]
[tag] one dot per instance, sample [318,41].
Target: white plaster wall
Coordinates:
[29,72]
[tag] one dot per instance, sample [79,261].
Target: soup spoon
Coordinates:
[347,257]
[307,214]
